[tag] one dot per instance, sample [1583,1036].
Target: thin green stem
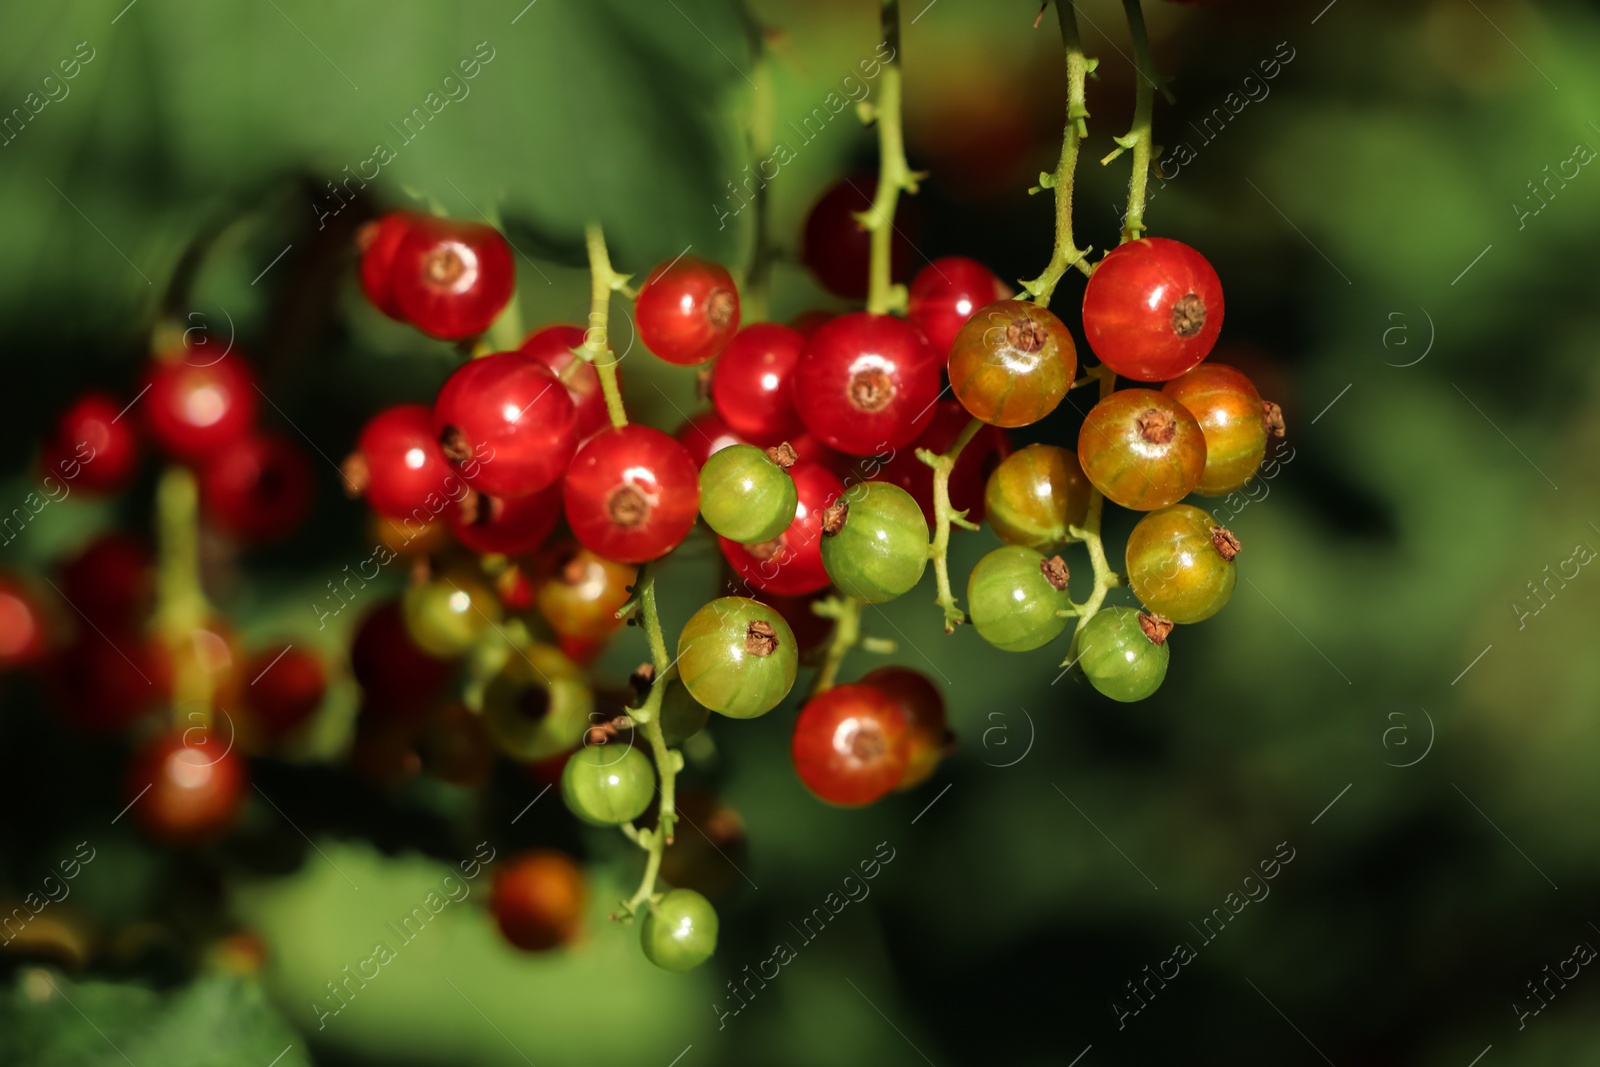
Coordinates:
[944,516]
[1138,138]
[1105,579]
[846,613]
[180,600]
[603,281]
[1066,253]
[894,173]
[648,717]
[755,295]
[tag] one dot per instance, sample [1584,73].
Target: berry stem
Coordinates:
[846,614]
[1067,253]
[1138,137]
[667,761]
[181,601]
[1105,579]
[943,517]
[754,295]
[603,281]
[894,173]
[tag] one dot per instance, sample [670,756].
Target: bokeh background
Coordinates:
[1403,274]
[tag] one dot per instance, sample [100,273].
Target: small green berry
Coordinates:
[875,542]
[1124,653]
[679,931]
[1015,597]
[738,657]
[608,785]
[745,496]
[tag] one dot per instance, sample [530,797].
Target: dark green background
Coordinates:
[1078,840]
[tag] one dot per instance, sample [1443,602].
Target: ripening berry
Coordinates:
[1035,495]
[875,542]
[608,785]
[1180,563]
[851,745]
[679,931]
[1124,652]
[737,657]
[923,705]
[1233,419]
[746,495]
[538,899]
[1142,449]
[1012,363]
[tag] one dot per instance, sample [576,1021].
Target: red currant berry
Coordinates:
[752,385]
[507,526]
[378,241]
[791,563]
[101,684]
[837,248]
[1034,495]
[1142,449]
[806,323]
[554,347]
[981,456]
[1233,419]
[1124,652]
[22,625]
[397,464]
[538,900]
[93,447]
[1012,363]
[259,489]
[1180,563]
[506,424]
[194,411]
[454,746]
[706,434]
[687,311]
[187,787]
[112,581]
[851,745]
[399,680]
[583,592]
[866,383]
[737,656]
[923,705]
[1152,309]
[452,279]
[632,494]
[945,294]
[286,687]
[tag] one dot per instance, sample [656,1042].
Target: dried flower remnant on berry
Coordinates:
[783,455]
[1155,627]
[1157,426]
[834,516]
[1227,544]
[1055,571]
[1188,315]
[760,638]
[628,506]
[1272,418]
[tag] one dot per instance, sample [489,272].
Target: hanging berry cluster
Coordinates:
[831,468]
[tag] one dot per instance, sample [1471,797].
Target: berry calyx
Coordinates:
[505,424]
[1152,309]
[632,494]
[946,293]
[851,745]
[679,931]
[1142,449]
[737,657]
[752,385]
[687,310]
[1017,598]
[1124,653]
[1233,418]
[875,542]
[608,785]
[866,383]
[1034,495]
[1012,363]
[397,465]
[451,278]
[1180,563]
[747,496]
[192,411]
[538,900]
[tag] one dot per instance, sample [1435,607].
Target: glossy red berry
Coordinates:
[791,563]
[378,242]
[554,346]
[1233,419]
[259,489]
[399,679]
[112,581]
[286,684]
[705,434]
[196,786]
[193,411]
[22,625]
[982,455]
[837,248]
[95,446]
[866,383]
[946,293]
[397,465]
[806,323]
[1152,309]
[450,278]
[752,386]
[687,310]
[1142,449]
[538,900]
[851,745]
[632,494]
[507,526]
[506,424]
[919,698]
[1012,363]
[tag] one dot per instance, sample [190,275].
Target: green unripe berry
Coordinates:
[875,542]
[537,705]
[738,657]
[1119,653]
[447,616]
[1015,597]
[679,931]
[608,785]
[745,496]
